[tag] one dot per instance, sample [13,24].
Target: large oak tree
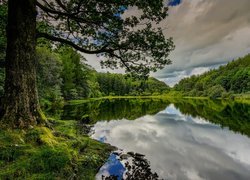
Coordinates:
[122,31]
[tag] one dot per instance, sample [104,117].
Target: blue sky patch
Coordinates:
[112,167]
[174,2]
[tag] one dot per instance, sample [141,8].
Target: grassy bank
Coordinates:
[165,96]
[244,98]
[43,153]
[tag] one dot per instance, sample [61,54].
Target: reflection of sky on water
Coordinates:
[181,147]
[112,167]
[171,110]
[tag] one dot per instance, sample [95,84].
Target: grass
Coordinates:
[165,96]
[43,153]
[243,98]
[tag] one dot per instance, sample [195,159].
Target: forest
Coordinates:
[64,75]
[224,82]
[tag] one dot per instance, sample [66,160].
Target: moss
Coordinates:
[33,136]
[47,137]
[47,159]
[42,117]
[10,153]
[42,153]
[67,127]
[8,137]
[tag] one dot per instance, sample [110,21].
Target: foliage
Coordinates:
[233,78]
[75,74]
[48,77]
[121,85]
[107,29]
[63,74]
[216,91]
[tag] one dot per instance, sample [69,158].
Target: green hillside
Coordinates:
[233,78]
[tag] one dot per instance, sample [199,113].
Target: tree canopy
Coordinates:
[124,32]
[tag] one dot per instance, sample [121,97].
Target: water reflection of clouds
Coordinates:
[179,149]
[171,110]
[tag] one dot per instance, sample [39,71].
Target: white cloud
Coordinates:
[94,61]
[172,78]
[199,70]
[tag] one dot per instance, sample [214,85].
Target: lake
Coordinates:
[170,139]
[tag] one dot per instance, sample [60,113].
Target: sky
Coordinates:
[206,33]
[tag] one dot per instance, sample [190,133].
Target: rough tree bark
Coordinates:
[21,106]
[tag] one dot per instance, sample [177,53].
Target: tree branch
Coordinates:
[46,9]
[59,2]
[66,14]
[64,41]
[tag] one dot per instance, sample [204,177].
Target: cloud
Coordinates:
[171,78]
[207,33]
[94,61]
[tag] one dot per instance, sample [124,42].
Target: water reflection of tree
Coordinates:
[234,115]
[114,109]
[136,169]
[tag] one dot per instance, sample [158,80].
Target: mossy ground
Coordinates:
[43,153]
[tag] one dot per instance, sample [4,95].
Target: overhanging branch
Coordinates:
[65,41]
[72,16]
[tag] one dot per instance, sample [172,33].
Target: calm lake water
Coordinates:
[184,139]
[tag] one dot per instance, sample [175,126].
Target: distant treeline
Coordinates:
[63,74]
[233,78]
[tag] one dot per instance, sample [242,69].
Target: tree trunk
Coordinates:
[21,106]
